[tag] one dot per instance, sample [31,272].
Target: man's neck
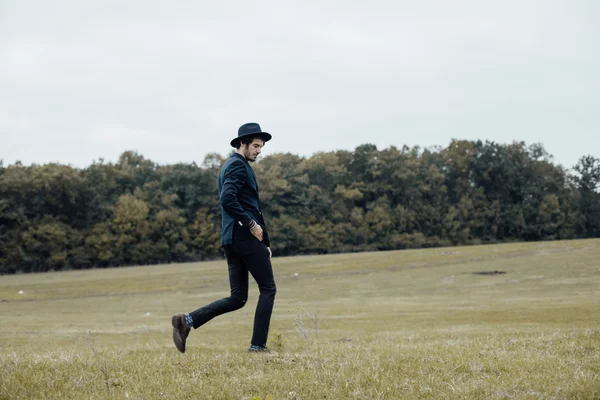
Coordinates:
[241,154]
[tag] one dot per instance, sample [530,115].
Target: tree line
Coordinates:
[135,211]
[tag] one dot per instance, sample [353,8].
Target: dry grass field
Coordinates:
[386,325]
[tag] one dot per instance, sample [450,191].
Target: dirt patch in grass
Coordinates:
[495,272]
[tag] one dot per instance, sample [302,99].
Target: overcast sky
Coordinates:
[83,80]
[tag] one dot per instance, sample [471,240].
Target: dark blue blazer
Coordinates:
[238,195]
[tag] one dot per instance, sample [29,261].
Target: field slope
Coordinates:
[385,325]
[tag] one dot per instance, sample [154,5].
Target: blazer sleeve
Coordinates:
[236,177]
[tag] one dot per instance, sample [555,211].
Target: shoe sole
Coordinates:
[179,343]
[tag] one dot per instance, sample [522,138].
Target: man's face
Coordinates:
[252,150]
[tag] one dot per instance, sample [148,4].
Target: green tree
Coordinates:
[46,244]
[101,244]
[588,181]
[549,217]
[169,236]
[135,211]
[132,231]
[203,237]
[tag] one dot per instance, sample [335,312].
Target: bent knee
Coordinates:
[239,302]
[269,289]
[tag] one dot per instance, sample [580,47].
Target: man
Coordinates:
[244,239]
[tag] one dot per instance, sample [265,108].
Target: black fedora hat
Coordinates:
[251,128]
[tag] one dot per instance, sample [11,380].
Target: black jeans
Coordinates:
[246,254]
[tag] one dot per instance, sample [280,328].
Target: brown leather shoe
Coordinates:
[180,331]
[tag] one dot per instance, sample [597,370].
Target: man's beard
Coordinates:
[248,155]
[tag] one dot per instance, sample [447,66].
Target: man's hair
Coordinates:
[249,139]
